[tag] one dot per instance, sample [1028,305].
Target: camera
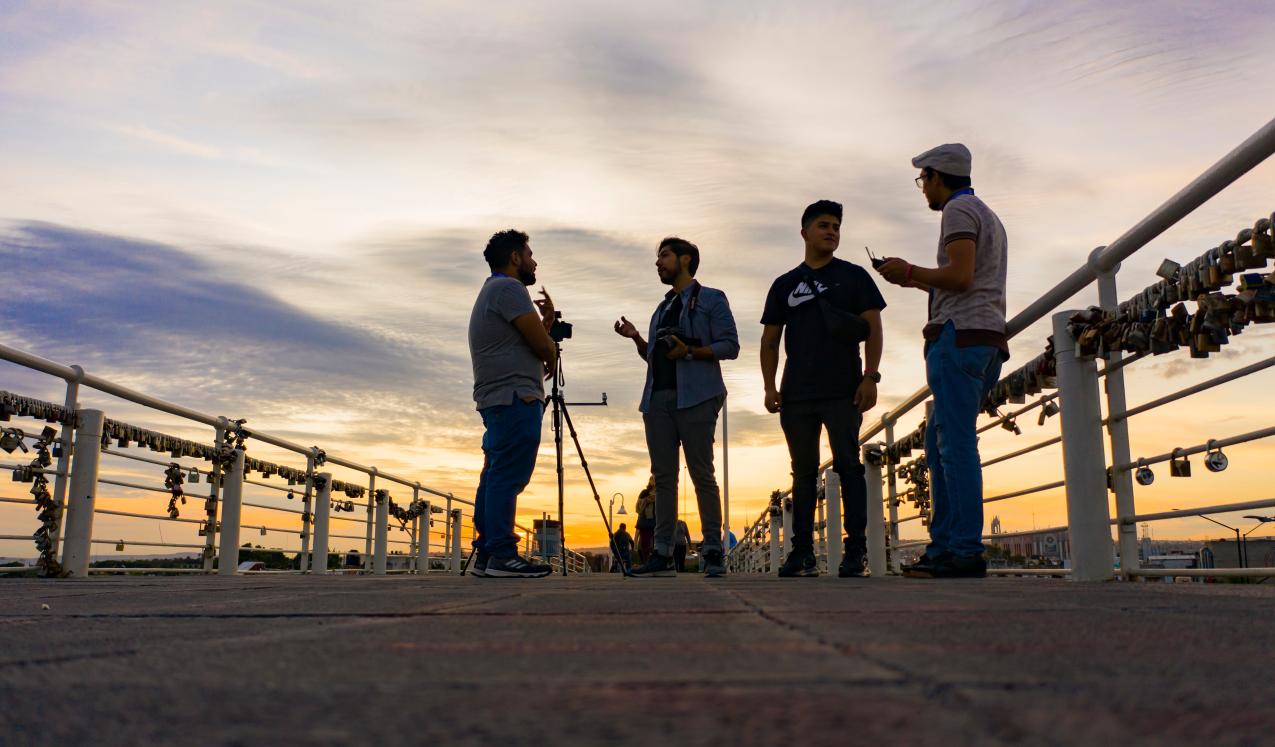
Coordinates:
[666,335]
[560,330]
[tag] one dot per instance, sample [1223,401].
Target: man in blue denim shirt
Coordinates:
[511,350]
[691,331]
[965,345]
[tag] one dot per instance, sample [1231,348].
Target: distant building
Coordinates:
[1052,547]
[1225,553]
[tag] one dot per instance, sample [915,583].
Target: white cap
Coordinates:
[949,158]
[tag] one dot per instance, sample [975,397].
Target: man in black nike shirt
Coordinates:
[825,384]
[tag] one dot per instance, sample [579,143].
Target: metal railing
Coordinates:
[312,513]
[1069,366]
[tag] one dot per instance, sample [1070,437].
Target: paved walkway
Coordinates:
[273,660]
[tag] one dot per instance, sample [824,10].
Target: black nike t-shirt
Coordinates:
[819,366]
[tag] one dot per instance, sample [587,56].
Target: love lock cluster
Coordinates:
[174,476]
[1180,466]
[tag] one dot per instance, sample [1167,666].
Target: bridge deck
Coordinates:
[602,660]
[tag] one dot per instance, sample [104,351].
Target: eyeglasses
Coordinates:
[920,181]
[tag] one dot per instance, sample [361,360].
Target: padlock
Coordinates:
[119,547]
[263,531]
[290,495]
[1178,465]
[1143,474]
[1215,460]
[12,439]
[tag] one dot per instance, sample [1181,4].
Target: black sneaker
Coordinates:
[800,564]
[924,568]
[960,566]
[515,566]
[659,566]
[853,564]
[479,568]
[714,567]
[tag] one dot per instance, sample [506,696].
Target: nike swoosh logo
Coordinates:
[801,294]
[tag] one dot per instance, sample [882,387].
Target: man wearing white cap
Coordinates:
[965,345]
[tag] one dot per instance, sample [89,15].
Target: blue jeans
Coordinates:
[960,379]
[509,457]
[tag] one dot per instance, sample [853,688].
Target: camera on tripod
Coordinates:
[560,330]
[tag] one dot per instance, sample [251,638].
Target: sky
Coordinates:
[277,211]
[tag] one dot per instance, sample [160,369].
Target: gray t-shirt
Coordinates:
[978,311]
[504,364]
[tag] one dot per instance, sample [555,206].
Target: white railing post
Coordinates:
[832,497]
[892,495]
[455,522]
[776,523]
[322,514]
[213,501]
[66,440]
[821,520]
[876,509]
[1084,463]
[307,515]
[382,498]
[231,511]
[1118,431]
[82,496]
[422,539]
[371,519]
[787,524]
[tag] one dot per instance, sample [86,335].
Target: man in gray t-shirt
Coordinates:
[510,348]
[965,345]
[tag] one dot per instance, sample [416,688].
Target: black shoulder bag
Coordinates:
[843,326]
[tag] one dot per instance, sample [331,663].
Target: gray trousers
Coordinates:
[693,428]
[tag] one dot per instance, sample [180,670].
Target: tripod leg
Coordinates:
[571,428]
[464,567]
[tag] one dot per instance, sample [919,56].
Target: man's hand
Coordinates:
[677,350]
[895,271]
[545,305]
[774,400]
[865,397]
[625,328]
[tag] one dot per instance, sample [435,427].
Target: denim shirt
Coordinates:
[714,326]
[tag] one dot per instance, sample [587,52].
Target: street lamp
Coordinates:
[611,505]
[1239,541]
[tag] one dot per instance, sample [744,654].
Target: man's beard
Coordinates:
[667,278]
[527,277]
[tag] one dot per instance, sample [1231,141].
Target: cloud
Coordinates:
[143,310]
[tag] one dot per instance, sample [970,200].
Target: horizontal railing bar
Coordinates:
[280,488]
[1179,513]
[144,544]
[19,537]
[1026,491]
[148,460]
[18,568]
[33,468]
[909,543]
[17,500]
[274,508]
[148,570]
[259,527]
[1111,368]
[1201,448]
[1020,452]
[122,484]
[1202,572]
[913,517]
[145,516]
[1029,571]
[1196,389]
[1016,413]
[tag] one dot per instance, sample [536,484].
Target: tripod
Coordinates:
[562,415]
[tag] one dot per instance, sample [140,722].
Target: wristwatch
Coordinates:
[689,355]
[874,375]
